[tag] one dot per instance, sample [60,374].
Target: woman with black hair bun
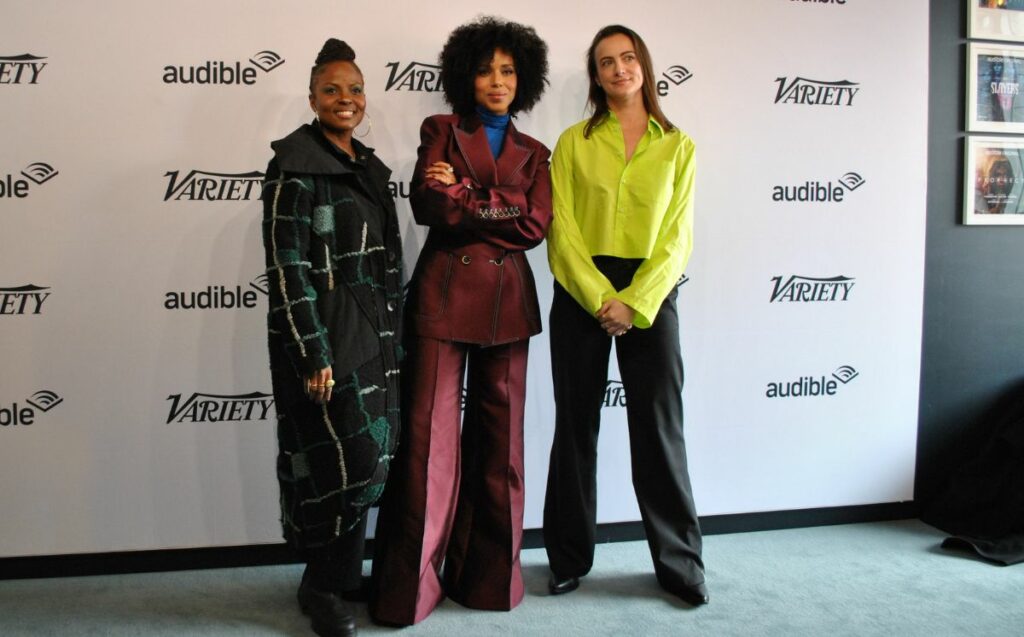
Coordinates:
[482,187]
[333,257]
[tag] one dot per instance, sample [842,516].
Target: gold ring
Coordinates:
[329,383]
[450,169]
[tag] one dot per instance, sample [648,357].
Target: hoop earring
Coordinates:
[369,126]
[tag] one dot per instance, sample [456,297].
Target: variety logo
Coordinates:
[25,299]
[810,386]
[40,402]
[801,90]
[198,185]
[37,173]
[414,76]
[815,191]
[219,408]
[224,73]
[219,297]
[614,394]
[676,75]
[805,289]
[21,69]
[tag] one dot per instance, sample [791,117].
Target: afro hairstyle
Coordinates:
[474,43]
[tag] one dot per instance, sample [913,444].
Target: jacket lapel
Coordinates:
[471,140]
[513,156]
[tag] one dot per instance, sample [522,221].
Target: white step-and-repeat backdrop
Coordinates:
[135,406]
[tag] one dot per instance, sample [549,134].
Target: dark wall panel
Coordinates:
[973,342]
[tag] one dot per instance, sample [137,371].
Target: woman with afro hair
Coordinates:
[482,188]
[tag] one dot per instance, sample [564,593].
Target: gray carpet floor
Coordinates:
[886,578]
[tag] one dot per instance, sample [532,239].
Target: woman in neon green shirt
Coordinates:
[621,235]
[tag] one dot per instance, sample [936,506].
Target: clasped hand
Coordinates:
[616,317]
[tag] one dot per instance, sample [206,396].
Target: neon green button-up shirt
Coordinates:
[604,205]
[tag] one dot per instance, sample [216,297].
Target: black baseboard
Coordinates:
[749,522]
[268,554]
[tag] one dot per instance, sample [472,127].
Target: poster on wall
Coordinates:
[994,181]
[994,77]
[996,19]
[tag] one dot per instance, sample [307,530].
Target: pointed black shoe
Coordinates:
[693,595]
[328,615]
[562,585]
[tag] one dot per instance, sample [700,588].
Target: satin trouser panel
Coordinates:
[456,497]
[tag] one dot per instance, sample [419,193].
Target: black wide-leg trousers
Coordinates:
[652,376]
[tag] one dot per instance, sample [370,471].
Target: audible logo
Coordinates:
[399,189]
[36,173]
[818,192]
[676,75]
[811,386]
[223,73]
[218,297]
[40,402]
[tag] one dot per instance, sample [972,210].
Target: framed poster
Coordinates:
[994,181]
[996,19]
[994,78]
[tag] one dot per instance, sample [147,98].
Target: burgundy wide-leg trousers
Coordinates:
[454,497]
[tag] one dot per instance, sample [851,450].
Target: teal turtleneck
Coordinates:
[495,127]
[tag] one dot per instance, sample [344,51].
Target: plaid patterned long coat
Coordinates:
[333,256]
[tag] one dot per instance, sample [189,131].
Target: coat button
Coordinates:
[392,256]
[466,259]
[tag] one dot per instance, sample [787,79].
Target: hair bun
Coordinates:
[335,50]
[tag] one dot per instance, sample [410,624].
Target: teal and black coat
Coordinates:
[334,273]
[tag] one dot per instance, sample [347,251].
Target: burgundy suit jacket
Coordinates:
[472,282]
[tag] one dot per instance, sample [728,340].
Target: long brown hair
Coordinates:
[598,99]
